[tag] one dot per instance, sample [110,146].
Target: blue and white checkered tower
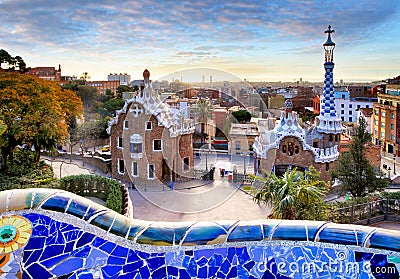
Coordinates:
[327,121]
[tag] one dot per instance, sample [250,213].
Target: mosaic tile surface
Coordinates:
[55,234]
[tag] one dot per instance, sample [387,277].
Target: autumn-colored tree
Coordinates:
[35,112]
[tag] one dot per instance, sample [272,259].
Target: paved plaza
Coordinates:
[189,201]
[217,200]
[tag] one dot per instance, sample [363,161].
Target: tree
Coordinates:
[241,116]
[36,113]
[85,76]
[88,95]
[13,63]
[354,170]
[5,58]
[293,196]
[203,112]
[108,108]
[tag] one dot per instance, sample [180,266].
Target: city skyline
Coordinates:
[253,40]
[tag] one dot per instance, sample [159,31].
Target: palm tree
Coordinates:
[293,196]
[203,113]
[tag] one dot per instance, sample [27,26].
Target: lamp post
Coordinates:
[394,164]
[244,155]
[389,172]
[61,168]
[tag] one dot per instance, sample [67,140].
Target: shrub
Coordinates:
[100,187]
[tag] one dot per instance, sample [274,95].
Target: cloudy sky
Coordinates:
[255,40]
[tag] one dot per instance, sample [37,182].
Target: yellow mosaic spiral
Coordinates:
[15,232]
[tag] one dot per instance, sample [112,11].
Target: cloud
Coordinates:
[188,31]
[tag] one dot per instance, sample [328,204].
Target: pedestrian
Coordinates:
[222,172]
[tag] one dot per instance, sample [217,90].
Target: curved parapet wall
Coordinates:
[48,233]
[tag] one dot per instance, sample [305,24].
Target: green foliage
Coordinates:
[203,113]
[241,116]
[354,170]
[100,187]
[294,196]
[24,172]
[115,199]
[108,108]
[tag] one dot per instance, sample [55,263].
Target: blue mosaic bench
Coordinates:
[48,233]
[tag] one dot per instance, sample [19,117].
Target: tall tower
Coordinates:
[328,122]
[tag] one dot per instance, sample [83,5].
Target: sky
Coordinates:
[267,40]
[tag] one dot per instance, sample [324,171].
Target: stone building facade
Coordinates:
[289,146]
[150,140]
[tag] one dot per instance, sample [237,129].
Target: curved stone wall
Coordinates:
[48,233]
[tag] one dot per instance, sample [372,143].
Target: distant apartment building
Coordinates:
[124,79]
[102,86]
[242,137]
[395,80]
[360,91]
[347,107]
[386,120]
[47,73]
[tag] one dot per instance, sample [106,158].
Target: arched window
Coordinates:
[296,149]
[290,149]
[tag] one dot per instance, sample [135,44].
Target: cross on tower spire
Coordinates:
[329,31]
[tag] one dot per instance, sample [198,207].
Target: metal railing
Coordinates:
[368,213]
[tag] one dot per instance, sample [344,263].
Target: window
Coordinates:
[392,137]
[350,106]
[330,137]
[382,134]
[392,115]
[151,172]
[237,145]
[342,111]
[135,146]
[121,166]
[342,118]
[383,114]
[391,126]
[376,122]
[149,125]
[367,106]
[296,149]
[358,106]
[157,145]
[120,142]
[383,125]
[290,149]
[126,124]
[350,112]
[350,119]
[186,163]
[376,112]
[327,166]
[342,105]
[135,170]
[375,132]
